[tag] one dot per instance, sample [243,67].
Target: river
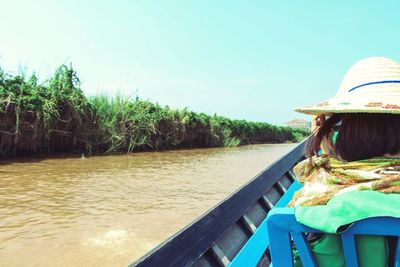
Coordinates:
[110,210]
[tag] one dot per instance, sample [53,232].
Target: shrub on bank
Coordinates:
[56,117]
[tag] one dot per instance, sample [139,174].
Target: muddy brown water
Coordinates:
[110,210]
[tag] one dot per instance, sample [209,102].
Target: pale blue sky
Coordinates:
[254,60]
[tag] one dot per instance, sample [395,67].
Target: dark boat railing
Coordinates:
[217,236]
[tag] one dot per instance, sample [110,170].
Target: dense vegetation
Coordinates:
[56,117]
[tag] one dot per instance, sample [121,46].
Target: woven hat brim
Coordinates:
[379,98]
[329,107]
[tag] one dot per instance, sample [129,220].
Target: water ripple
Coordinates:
[109,210]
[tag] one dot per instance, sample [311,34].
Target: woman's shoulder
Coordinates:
[308,165]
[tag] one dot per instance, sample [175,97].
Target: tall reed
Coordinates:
[56,117]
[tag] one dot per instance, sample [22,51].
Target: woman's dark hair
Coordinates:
[360,136]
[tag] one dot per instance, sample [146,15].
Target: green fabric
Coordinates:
[347,208]
[329,253]
[342,210]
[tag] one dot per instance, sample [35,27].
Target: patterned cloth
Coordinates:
[324,177]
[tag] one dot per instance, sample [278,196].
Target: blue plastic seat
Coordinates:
[283,229]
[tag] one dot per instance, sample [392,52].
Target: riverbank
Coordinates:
[56,117]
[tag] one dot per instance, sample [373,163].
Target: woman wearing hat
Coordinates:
[358,174]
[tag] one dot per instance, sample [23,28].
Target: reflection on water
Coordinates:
[110,210]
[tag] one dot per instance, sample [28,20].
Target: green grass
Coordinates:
[56,117]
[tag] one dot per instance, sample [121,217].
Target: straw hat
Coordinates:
[371,85]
